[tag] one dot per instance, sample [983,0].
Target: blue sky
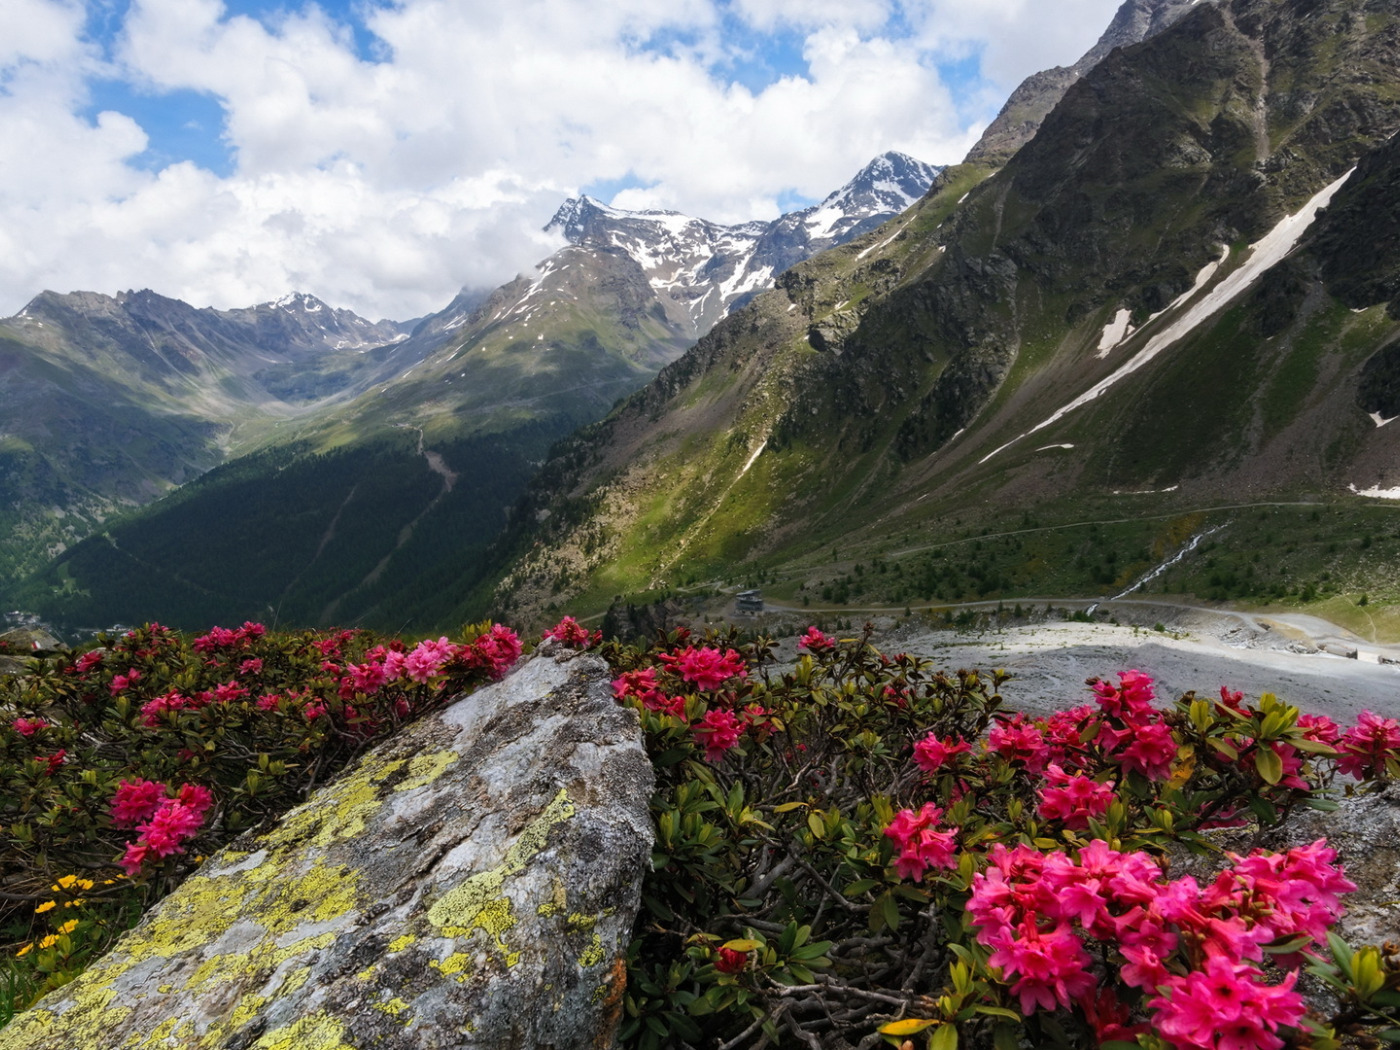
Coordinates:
[382,155]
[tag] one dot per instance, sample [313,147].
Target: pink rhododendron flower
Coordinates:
[814,641]
[88,661]
[931,753]
[428,658]
[268,702]
[1363,749]
[570,632]
[1073,798]
[921,845]
[1151,749]
[717,732]
[1319,728]
[1064,733]
[1226,1006]
[152,710]
[314,710]
[168,828]
[121,681]
[28,726]
[137,853]
[497,649]
[730,960]
[195,797]
[1130,700]
[136,801]
[55,761]
[1231,701]
[229,692]
[252,665]
[706,667]
[1051,966]
[636,683]
[1018,740]
[366,677]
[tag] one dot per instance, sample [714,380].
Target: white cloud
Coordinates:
[385,185]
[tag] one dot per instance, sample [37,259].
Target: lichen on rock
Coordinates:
[470,883]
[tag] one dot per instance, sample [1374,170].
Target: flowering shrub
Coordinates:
[129,761]
[861,848]
[857,849]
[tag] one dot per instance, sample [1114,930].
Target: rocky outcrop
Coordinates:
[1039,93]
[471,883]
[1365,832]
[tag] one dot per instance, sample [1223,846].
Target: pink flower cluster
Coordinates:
[705,667]
[814,641]
[1127,733]
[920,843]
[165,823]
[641,685]
[1363,750]
[723,723]
[570,632]
[1194,950]
[226,638]
[1073,798]
[931,753]
[28,726]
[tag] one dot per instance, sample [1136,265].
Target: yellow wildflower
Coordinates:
[68,927]
[84,884]
[46,906]
[25,950]
[64,883]
[48,942]
[74,903]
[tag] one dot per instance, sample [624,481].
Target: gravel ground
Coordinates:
[1202,651]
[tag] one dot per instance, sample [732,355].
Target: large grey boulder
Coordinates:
[471,883]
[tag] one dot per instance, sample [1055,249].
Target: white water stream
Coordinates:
[1191,545]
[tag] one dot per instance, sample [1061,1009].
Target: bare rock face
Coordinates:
[1365,832]
[471,883]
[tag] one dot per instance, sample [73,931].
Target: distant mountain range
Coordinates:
[1173,309]
[1144,337]
[117,401]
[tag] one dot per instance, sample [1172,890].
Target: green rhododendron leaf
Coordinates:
[1270,766]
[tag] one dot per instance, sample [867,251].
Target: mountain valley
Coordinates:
[449,415]
[1168,312]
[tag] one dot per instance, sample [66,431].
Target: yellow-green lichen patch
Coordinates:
[455,964]
[340,813]
[578,921]
[393,1007]
[204,909]
[398,944]
[593,954]
[323,893]
[318,1032]
[87,1021]
[424,769]
[457,911]
[160,1035]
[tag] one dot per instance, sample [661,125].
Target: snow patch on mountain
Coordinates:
[1271,249]
[1376,492]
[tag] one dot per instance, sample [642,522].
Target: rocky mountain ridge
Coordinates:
[887,381]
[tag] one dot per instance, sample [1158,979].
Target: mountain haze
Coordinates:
[111,401]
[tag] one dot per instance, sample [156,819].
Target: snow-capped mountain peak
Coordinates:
[701,270]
